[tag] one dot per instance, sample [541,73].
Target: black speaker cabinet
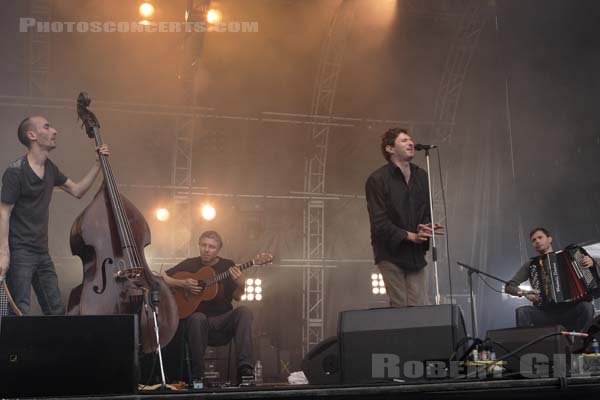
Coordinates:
[546,358]
[68,355]
[377,344]
[321,365]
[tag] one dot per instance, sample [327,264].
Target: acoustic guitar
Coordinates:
[208,279]
[6,300]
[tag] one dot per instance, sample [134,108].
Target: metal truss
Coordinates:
[470,25]
[330,64]
[39,50]
[456,68]
[185,128]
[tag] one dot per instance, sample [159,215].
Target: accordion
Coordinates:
[560,277]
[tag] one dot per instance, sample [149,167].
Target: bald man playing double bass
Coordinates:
[27,186]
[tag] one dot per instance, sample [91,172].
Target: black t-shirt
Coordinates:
[31,198]
[222,302]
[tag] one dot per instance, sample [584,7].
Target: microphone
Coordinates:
[420,147]
[155,294]
[579,334]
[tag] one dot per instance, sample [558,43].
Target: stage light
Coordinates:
[377,284]
[208,212]
[213,16]
[162,214]
[253,290]
[146,10]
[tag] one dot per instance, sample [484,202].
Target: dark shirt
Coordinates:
[520,276]
[28,227]
[222,302]
[396,208]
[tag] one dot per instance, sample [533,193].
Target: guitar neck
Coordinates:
[224,275]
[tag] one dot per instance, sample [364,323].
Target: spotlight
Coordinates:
[377,284]
[162,214]
[253,290]
[213,16]
[146,10]
[208,212]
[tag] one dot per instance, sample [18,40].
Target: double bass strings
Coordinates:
[124,228]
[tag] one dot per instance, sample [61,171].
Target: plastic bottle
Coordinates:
[258,372]
[595,347]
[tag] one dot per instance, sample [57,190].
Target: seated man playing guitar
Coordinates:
[214,322]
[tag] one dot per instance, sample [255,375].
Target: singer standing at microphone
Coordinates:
[398,205]
[573,316]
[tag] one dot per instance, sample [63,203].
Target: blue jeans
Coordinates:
[29,269]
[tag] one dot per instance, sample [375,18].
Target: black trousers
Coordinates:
[573,316]
[203,331]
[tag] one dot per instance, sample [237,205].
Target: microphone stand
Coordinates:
[433,246]
[471,271]
[153,302]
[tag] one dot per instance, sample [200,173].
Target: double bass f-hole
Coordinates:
[103,268]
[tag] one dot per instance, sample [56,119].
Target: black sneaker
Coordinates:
[246,375]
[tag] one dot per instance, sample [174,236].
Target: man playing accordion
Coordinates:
[573,315]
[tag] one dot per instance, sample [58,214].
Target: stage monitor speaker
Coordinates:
[375,344]
[527,362]
[68,355]
[321,365]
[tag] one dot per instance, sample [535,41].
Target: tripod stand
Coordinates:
[471,271]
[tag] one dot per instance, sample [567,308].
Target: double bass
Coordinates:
[109,236]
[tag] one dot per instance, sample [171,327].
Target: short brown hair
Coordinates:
[544,230]
[388,139]
[212,235]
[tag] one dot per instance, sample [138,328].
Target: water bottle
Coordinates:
[595,347]
[258,373]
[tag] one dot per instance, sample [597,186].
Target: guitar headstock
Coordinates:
[85,115]
[263,258]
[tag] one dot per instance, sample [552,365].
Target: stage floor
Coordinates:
[550,388]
